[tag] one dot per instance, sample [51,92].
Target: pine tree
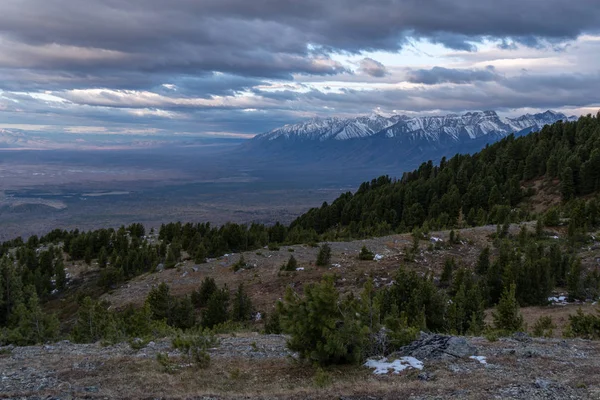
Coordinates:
[217,309]
[32,325]
[366,254]
[94,322]
[449,267]
[567,184]
[507,316]
[483,262]
[102,258]
[291,265]
[161,303]
[242,305]
[200,255]
[574,282]
[207,288]
[60,274]
[324,256]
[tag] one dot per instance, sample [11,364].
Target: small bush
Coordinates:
[291,265]
[273,247]
[165,362]
[241,264]
[366,254]
[324,256]
[543,327]
[322,378]
[582,325]
[195,347]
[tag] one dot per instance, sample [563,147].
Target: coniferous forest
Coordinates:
[496,186]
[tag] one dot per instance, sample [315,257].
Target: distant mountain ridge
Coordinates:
[452,127]
[378,144]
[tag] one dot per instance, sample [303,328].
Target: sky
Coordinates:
[236,68]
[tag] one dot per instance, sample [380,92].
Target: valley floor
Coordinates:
[260,366]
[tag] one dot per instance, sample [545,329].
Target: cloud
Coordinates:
[437,75]
[372,68]
[247,66]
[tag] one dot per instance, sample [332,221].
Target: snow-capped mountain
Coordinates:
[387,144]
[448,128]
[322,129]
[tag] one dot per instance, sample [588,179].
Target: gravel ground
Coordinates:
[515,368]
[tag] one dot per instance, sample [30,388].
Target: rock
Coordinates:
[521,337]
[438,347]
[425,376]
[542,383]
[160,267]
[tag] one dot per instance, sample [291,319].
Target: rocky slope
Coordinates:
[259,366]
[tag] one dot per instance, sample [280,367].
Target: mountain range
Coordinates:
[398,141]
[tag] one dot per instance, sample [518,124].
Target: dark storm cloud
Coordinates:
[437,75]
[261,38]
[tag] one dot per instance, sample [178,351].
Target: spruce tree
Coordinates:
[291,265]
[483,261]
[366,254]
[507,316]
[200,255]
[242,305]
[207,288]
[217,309]
[324,255]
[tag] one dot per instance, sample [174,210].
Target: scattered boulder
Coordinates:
[438,347]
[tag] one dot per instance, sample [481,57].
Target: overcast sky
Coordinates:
[241,67]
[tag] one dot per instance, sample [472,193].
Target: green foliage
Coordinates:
[174,312]
[323,328]
[321,378]
[423,304]
[366,254]
[273,320]
[195,347]
[202,295]
[483,261]
[31,324]
[507,317]
[166,363]
[324,255]
[585,326]
[543,327]
[449,267]
[574,282]
[291,265]
[240,264]
[217,309]
[242,308]
[200,254]
[94,322]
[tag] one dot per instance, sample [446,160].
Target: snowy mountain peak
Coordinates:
[451,127]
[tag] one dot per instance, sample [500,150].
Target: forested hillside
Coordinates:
[474,189]
[485,188]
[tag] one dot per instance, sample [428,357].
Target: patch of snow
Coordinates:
[560,300]
[382,366]
[481,359]
[436,239]
[378,257]
[335,265]
[300,269]
[554,237]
